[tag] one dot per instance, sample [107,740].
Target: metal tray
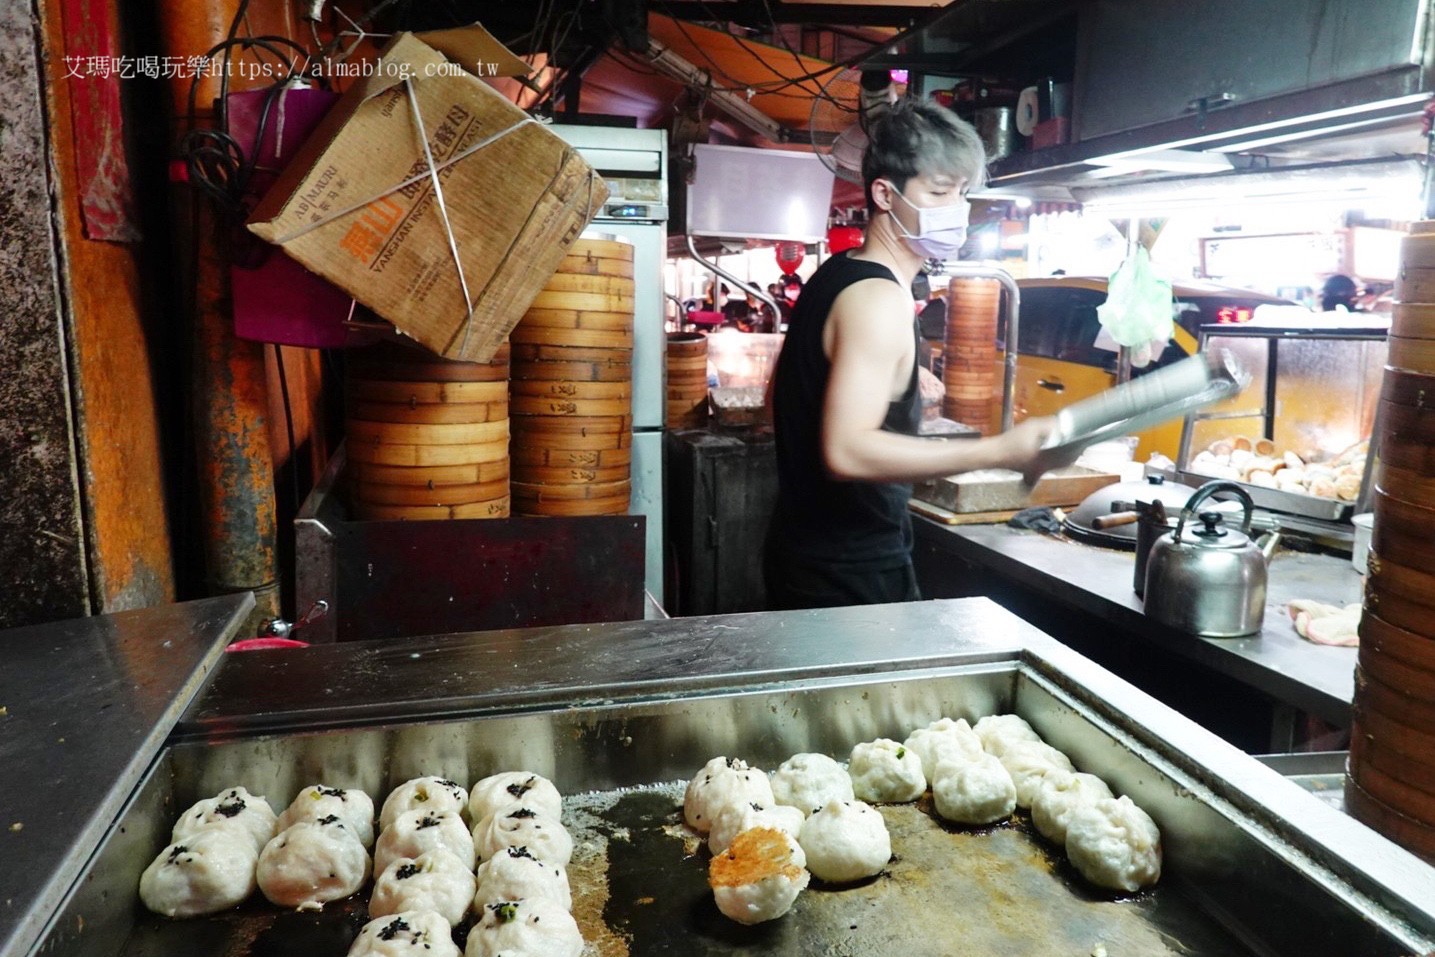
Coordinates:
[1253,865]
[1277,500]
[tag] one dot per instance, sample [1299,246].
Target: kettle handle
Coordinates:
[1205,492]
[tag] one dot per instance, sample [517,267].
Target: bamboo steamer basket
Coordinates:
[1412,647]
[613,506]
[393,361]
[1403,484]
[687,389]
[583,301]
[547,406]
[611,370]
[1365,752]
[1413,802]
[545,425]
[397,433]
[479,453]
[433,476]
[596,266]
[1408,388]
[572,442]
[425,393]
[428,414]
[580,338]
[570,475]
[498,508]
[1412,680]
[572,493]
[1403,533]
[1411,355]
[1417,249]
[571,390]
[375,494]
[1405,831]
[974,293]
[570,458]
[1387,580]
[1395,714]
[1415,284]
[530,352]
[592,247]
[686,415]
[1407,423]
[969,354]
[587,283]
[574,319]
[1413,320]
[564,389]
[1391,773]
[1373,696]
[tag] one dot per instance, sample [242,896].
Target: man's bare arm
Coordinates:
[867,325]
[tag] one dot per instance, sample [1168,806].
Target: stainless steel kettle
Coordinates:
[1209,580]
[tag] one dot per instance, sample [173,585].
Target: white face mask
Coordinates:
[941,230]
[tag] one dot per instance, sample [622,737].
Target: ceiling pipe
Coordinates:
[665,61]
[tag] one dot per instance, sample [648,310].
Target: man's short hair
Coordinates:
[916,137]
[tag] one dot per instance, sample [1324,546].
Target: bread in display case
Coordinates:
[1297,438]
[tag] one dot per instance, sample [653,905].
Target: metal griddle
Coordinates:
[640,887]
[1254,865]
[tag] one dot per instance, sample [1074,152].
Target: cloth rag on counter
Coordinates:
[1326,624]
[1038,519]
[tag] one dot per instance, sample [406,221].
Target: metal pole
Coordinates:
[740,283]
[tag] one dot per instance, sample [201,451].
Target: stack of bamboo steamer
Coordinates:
[969,358]
[427,437]
[687,368]
[572,388]
[1391,774]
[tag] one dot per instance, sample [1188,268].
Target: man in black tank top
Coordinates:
[845,401]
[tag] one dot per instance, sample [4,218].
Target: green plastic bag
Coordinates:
[1137,310]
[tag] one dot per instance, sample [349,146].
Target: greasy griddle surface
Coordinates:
[640,888]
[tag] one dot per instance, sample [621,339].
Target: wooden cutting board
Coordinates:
[996,490]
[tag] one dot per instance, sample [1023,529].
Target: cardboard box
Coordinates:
[358,204]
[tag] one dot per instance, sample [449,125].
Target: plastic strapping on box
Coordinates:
[592,177]
[438,195]
[432,173]
[433,168]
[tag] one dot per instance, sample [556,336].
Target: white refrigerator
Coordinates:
[634,164]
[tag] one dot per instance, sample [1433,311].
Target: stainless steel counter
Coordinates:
[1312,678]
[622,705]
[85,707]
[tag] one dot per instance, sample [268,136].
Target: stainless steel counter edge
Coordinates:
[353,683]
[88,705]
[1313,678]
[574,666]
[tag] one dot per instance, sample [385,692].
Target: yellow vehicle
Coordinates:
[1060,361]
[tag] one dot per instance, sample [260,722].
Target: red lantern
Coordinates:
[789,257]
[842,238]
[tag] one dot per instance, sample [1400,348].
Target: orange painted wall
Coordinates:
[127,532]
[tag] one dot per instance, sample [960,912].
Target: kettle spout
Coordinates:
[1268,544]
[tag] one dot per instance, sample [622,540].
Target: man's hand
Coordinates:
[1024,451]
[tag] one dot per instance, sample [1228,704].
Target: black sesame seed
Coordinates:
[428,820]
[523,812]
[393,929]
[328,819]
[406,871]
[231,809]
[331,792]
